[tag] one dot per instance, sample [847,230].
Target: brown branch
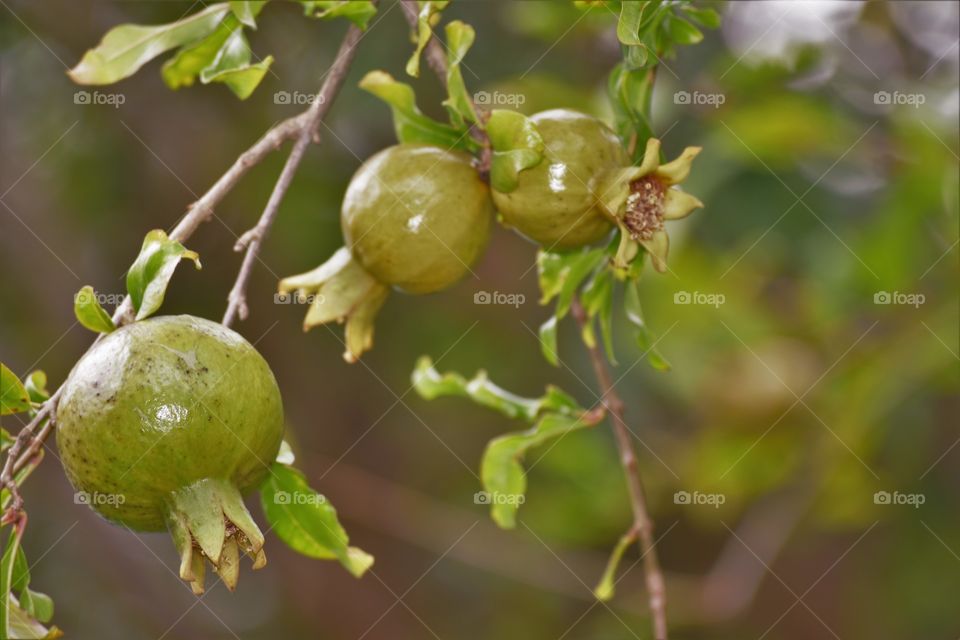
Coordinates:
[642,524]
[303,128]
[252,239]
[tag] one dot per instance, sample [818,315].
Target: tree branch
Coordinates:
[303,128]
[252,239]
[642,524]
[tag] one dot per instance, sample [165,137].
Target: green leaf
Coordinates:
[683,32]
[597,299]
[705,16]
[36,385]
[13,396]
[430,384]
[548,341]
[516,144]
[246,11]
[306,522]
[150,273]
[19,478]
[501,471]
[631,92]
[184,68]
[605,588]
[628,24]
[6,440]
[232,67]
[9,575]
[89,312]
[460,37]
[410,124]
[645,339]
[126,48]
[358,12]
[37,605]
[560,275]
[427,16]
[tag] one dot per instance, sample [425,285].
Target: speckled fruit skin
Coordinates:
[162,403]
[416,216]
[555,203]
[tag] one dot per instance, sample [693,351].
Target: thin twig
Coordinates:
[303,128]
[252,239]
[642,524]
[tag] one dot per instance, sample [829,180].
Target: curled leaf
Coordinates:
[501,471]
[427,16]
[516,144]
[150,273]
[605,588]
[460,37]
[246,11]
[430,384]
[126,48]
[89,312]
[232,66]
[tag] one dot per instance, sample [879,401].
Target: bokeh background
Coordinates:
[795,398]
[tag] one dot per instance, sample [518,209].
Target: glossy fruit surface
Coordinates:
[556,202]
[160,406]
[417,217]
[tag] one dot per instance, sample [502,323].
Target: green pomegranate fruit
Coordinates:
[166,423]
[414,217]
[556,202]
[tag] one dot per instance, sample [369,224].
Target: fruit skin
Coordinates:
[161,404]
[417,216]
[555,203]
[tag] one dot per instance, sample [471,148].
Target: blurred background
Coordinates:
[811,318]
